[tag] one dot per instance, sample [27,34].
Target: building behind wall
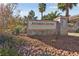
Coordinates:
[73,25]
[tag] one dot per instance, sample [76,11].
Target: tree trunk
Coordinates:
[41,16]
[67,14]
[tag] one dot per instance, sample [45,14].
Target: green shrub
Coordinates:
[10,45]
[17,30]
[77,31]
[8,52]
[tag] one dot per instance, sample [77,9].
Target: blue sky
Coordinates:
[26,7]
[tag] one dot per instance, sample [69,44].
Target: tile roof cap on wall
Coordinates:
[59,18]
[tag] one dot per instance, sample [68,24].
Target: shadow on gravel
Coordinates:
[68,43]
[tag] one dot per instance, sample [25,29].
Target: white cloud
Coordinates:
[24,13]
[21,13]
[78,5]
[53,6]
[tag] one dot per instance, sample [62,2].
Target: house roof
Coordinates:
[74,17]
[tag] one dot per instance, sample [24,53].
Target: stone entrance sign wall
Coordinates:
[41,27]
[63,25]
[44,27]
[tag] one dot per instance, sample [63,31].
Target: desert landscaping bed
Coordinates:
[23,45]
[50,46]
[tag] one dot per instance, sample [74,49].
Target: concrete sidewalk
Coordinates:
[73,34]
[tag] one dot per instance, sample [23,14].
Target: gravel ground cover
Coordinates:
[50,46]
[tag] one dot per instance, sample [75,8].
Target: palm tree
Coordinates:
[55,14]
[31,15]
[51,16]
[66,7]
[42,7]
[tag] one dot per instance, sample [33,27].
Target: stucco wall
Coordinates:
[59,26]
[41,28]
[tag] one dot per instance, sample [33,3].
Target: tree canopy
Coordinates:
[42,8]
[51,16]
